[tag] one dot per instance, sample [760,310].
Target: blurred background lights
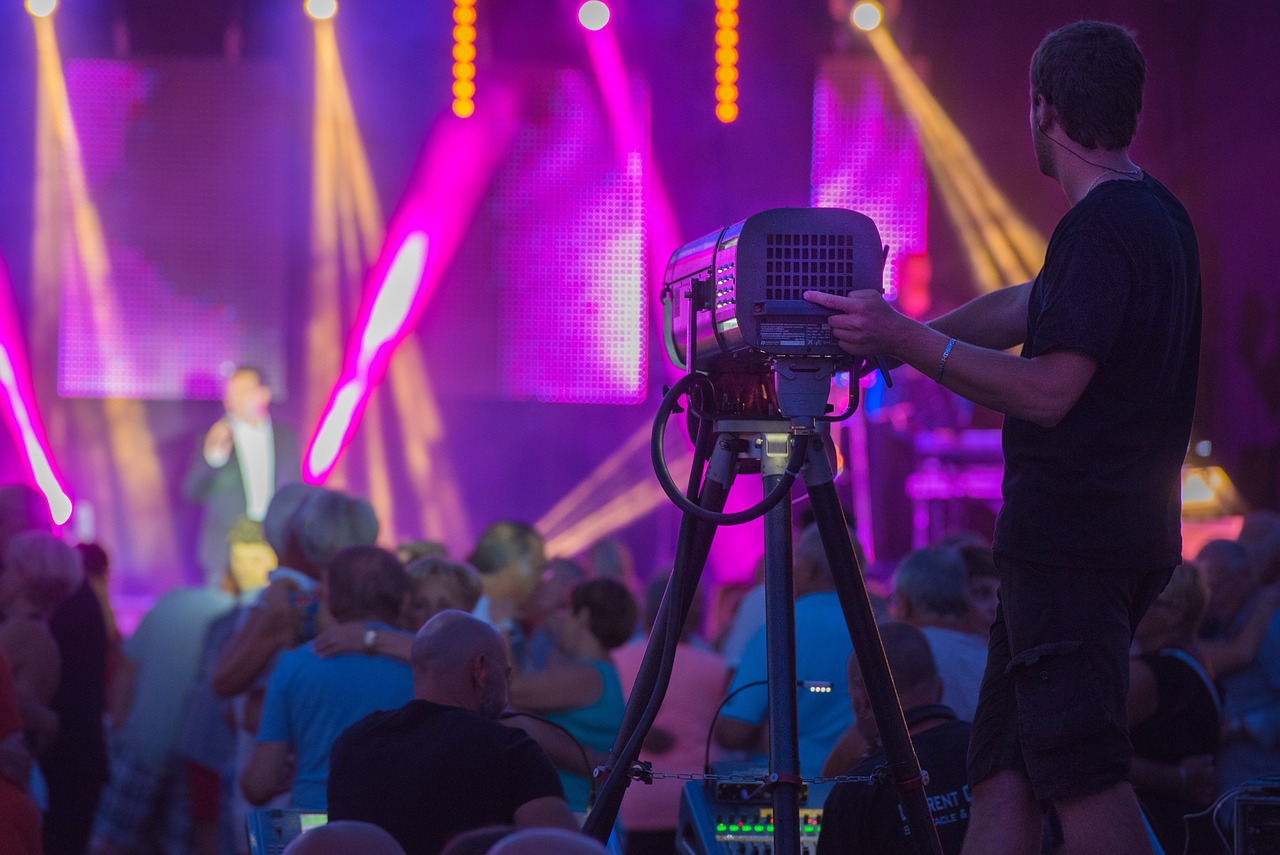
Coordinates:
[593,14]
[322,10]
[41,8]
[867,16]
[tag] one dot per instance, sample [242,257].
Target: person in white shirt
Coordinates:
[241,460]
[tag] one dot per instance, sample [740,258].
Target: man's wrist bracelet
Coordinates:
[942,365]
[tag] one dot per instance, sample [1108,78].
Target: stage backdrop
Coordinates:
[186,162]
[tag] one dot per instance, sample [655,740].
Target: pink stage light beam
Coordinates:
[22,413]
[451,179]
[385,323]
[613,78]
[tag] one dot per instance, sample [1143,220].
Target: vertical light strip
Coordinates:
[464,58]
[726,60]
[374,281]
[79,249]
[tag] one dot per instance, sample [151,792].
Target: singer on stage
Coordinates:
[241,460]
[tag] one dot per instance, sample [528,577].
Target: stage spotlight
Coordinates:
[593,14]
[867,16]
[322,10]
[41,8]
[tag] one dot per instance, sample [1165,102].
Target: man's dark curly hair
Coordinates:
[1091,73]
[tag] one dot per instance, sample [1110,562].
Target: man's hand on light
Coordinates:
[863,323]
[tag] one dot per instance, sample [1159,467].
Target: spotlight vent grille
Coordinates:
[795,263]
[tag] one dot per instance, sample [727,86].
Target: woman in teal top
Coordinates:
[583,694]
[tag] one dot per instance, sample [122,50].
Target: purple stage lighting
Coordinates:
[866,157]
[187,163]
[18,404]
[570,206]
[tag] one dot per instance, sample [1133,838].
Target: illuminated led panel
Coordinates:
[570,254]
[866,157]
[187,162]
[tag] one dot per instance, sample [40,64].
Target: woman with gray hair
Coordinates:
[37,573]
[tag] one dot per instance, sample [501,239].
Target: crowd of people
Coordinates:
[428,702]
[433,696]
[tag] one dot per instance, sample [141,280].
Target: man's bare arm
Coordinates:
[267,630]
[267,774]
[997,320]
[1040,390]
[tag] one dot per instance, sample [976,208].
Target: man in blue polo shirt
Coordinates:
[311,700]
[822,652]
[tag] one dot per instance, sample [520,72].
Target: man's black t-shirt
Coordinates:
[861,817]
[1120,284]
[426,772]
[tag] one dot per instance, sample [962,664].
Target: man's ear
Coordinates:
[900,607]
[1046,114]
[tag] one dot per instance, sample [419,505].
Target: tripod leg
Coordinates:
[852,590]
[780,654]
[654,675]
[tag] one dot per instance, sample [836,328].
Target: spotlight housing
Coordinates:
[321,10]
[594,14]
[41,8]
[744,286]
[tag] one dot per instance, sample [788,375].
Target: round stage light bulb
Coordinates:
[322,10]
[41,8]
[867,16]
[594,14]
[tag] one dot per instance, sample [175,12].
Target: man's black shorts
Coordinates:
[1052,704]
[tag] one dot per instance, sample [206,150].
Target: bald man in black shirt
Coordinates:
[443,764]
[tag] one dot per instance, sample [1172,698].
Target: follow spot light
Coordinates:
[41,8]
[734,304]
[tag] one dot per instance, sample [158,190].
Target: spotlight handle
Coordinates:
[883,368]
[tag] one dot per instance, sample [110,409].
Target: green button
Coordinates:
[722,827]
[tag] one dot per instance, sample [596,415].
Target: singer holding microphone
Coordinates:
[238,464]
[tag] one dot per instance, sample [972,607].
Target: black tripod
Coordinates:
[779,449]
